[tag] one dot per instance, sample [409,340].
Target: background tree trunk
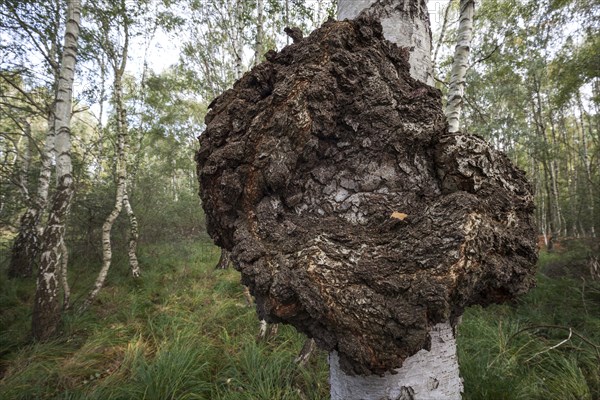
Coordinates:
[46,310]
[460,65]
[25,249]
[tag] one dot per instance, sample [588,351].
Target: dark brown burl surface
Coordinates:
[349,210]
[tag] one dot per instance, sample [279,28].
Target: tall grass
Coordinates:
[183,331]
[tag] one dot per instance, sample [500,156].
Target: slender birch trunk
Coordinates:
[25,249]
[238,38]
[133,238]
[460,65]
[258,46]
[406,23]
[224,260]
[554,210]
[46,310]
[121,196]
[64,276]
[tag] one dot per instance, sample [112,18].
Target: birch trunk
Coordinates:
[133,238]
[553,208]
[121,170]
[405,23]
[460,65]
[25,249]
[46,310]
[64,276]
[224,260]
[238,38]
[258,47]
[427,374]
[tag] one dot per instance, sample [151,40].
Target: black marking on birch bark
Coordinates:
[303,164]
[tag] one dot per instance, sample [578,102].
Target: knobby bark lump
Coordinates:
[351,213]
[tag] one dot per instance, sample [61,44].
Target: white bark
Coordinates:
[430,374]
[46,312]
[64,276]
[405,22]
[238,39]
[118,62]
[120,194]
[258,47]
[460,64]
[27,244]
[133,238]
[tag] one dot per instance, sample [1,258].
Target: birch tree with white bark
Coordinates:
[46,309]
[117,54]
[432,374]
[460,64]
[33,29]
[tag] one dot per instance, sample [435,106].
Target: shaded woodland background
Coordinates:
[182,330]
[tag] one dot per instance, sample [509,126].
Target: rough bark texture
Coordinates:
[351,213]
[405,23]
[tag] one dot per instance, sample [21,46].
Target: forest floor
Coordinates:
[184,331]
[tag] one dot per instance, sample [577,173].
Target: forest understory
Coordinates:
[184,331]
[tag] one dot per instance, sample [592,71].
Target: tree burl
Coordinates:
[351,213]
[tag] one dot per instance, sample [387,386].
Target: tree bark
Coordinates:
[405,23]
[224,260]
[46,310]
[64,276]
[118,62]
[429,374]
[258,47]
[407,26]
[121,186]
[25,249]
[133,238]
[460,65]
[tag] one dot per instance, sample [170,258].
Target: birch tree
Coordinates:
[33,29]
[117,55]
[407,24]
[46,310]
[460,64]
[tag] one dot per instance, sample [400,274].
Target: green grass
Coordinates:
[183,331]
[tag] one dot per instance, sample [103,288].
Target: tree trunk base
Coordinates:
[224,260]
[429,374]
